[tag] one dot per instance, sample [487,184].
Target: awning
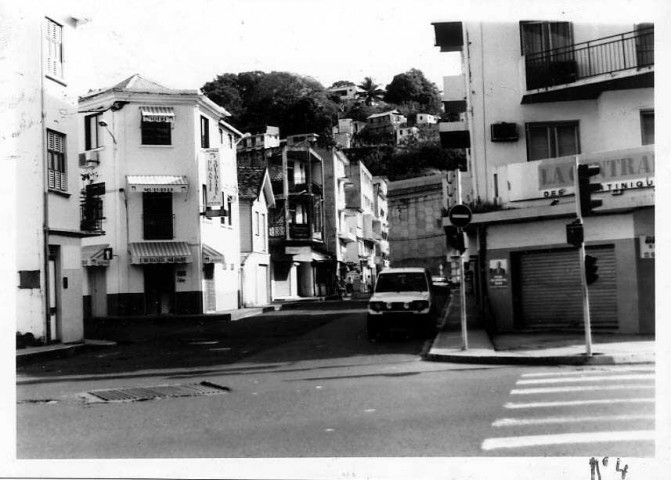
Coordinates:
[210,255]
[147,253]
[157,183]
[306,254]
[157,114]
[94,255]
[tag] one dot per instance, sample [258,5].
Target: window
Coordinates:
[92,131]
[551,140]
[156,133]
[539,37]
[221,136]
[257,226]
[157,217]
[299,173]
[228,203]
[56,161]
[300,215]
[204,133]
[648,127]
[54,53]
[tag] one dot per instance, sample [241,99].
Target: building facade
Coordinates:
[416,236]
[300,264]
[535,98]
[159,185]
[255,198]
[43,197]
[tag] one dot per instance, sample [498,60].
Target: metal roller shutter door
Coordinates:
[551,295]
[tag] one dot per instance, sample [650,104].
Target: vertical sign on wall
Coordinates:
[213,177]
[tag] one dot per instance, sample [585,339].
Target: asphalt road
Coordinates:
[309,384]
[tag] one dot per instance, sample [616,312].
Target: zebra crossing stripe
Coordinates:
[579,388]
[591,372]
[572,403]
[567,438]
[520,422]
[617,378]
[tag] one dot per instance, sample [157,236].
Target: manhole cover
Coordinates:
[136,394]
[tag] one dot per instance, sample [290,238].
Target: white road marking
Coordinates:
[370,410]
[567,438]
[617,378]
[579,388]
[516,422]
[589,372]
[571,403]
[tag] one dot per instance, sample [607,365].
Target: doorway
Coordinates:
[98,290]
[53,322]
[159,289]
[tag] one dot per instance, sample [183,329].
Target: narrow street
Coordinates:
[322,390]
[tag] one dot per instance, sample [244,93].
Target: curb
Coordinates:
[542,360]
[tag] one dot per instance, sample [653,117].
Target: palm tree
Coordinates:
[371,93]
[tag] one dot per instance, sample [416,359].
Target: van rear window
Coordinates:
[402,282]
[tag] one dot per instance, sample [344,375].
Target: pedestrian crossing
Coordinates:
[559,412]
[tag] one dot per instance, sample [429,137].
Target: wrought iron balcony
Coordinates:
[566,65]
[158,226]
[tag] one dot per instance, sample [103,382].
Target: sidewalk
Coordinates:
[534,348]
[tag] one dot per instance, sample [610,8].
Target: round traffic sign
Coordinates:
[460,215]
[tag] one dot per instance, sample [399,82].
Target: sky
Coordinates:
[184,44]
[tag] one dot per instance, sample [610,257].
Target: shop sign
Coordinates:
[620,170]
[498,272]
[647,244]
[163,259]
[157,188]
[213,198]
[631,169]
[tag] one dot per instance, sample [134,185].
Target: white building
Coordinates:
[42,188]
[534,98]
[163,168]
[255,198]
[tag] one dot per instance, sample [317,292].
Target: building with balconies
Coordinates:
[359,216]
[534,99]
[41,196]
[161,163]
[381,222]
[300,263]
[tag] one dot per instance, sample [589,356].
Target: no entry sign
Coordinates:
[460,215]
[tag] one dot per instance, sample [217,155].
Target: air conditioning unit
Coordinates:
[89,159]
[504,132]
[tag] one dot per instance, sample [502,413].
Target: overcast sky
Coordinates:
[183,44]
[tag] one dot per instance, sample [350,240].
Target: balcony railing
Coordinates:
[611,54]
[158,226]
[91,209]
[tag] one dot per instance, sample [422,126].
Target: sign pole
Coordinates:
[462,277]
[583,275]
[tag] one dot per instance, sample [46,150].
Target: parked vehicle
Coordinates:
[403,299]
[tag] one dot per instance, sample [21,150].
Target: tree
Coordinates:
[414,90]
[294,103]
[342,83]
[370,91]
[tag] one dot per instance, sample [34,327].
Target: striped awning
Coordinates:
[157,183]
[210,255]
[147,253]
[157,114]
[94,255]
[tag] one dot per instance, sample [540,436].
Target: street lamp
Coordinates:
[103,124]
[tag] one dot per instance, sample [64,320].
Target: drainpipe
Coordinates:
[45,191]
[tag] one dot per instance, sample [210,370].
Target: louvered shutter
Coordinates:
[551,295]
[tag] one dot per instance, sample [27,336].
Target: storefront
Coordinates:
[530,273]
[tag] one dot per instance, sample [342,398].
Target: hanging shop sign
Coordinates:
[213,163]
